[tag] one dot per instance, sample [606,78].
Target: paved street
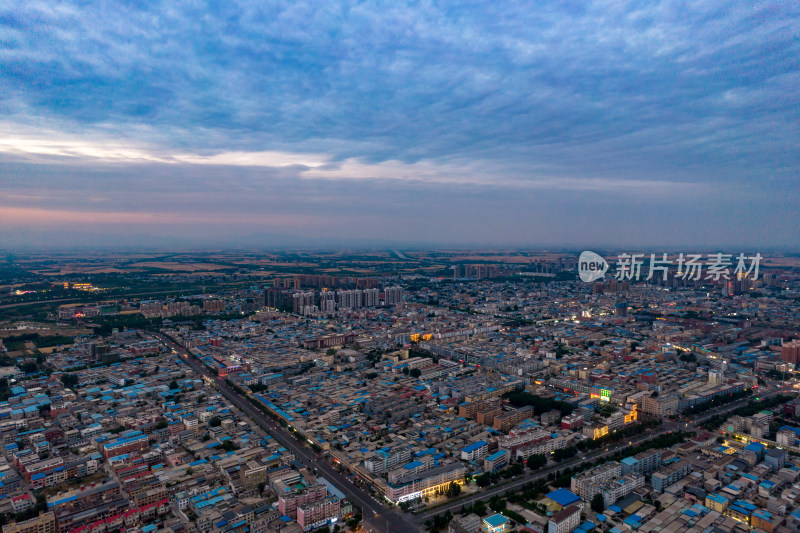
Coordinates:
[377,517]
[528,477]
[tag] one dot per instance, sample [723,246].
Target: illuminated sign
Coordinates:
[430,491]
[409,497]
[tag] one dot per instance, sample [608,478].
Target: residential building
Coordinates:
[565,521]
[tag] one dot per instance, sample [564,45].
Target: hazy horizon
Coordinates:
[65,242]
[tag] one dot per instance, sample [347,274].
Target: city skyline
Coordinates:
[582,125]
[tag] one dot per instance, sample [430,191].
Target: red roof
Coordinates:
[137,474]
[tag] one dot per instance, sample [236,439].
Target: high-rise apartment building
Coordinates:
[372,297]
[327,302]
[392,295]
[302,302]
[348,299]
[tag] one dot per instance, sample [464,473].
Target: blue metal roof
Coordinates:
[563,497]
[496,520]
[475,446]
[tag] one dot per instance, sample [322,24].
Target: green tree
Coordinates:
[454,489]
[598,503]
[416,372]
[29,367]
[497,504]
[564,453]
[484,480]
[353,522]
[214,421]
[228,446]
[537,461]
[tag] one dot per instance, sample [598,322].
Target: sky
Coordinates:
[555,124]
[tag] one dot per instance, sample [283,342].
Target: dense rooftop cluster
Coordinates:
[606,407]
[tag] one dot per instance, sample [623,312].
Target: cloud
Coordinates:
[623,101]
[74,151]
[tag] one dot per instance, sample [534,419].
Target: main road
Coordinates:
[530,477]
[376,516]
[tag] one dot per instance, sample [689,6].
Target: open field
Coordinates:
[181,267]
